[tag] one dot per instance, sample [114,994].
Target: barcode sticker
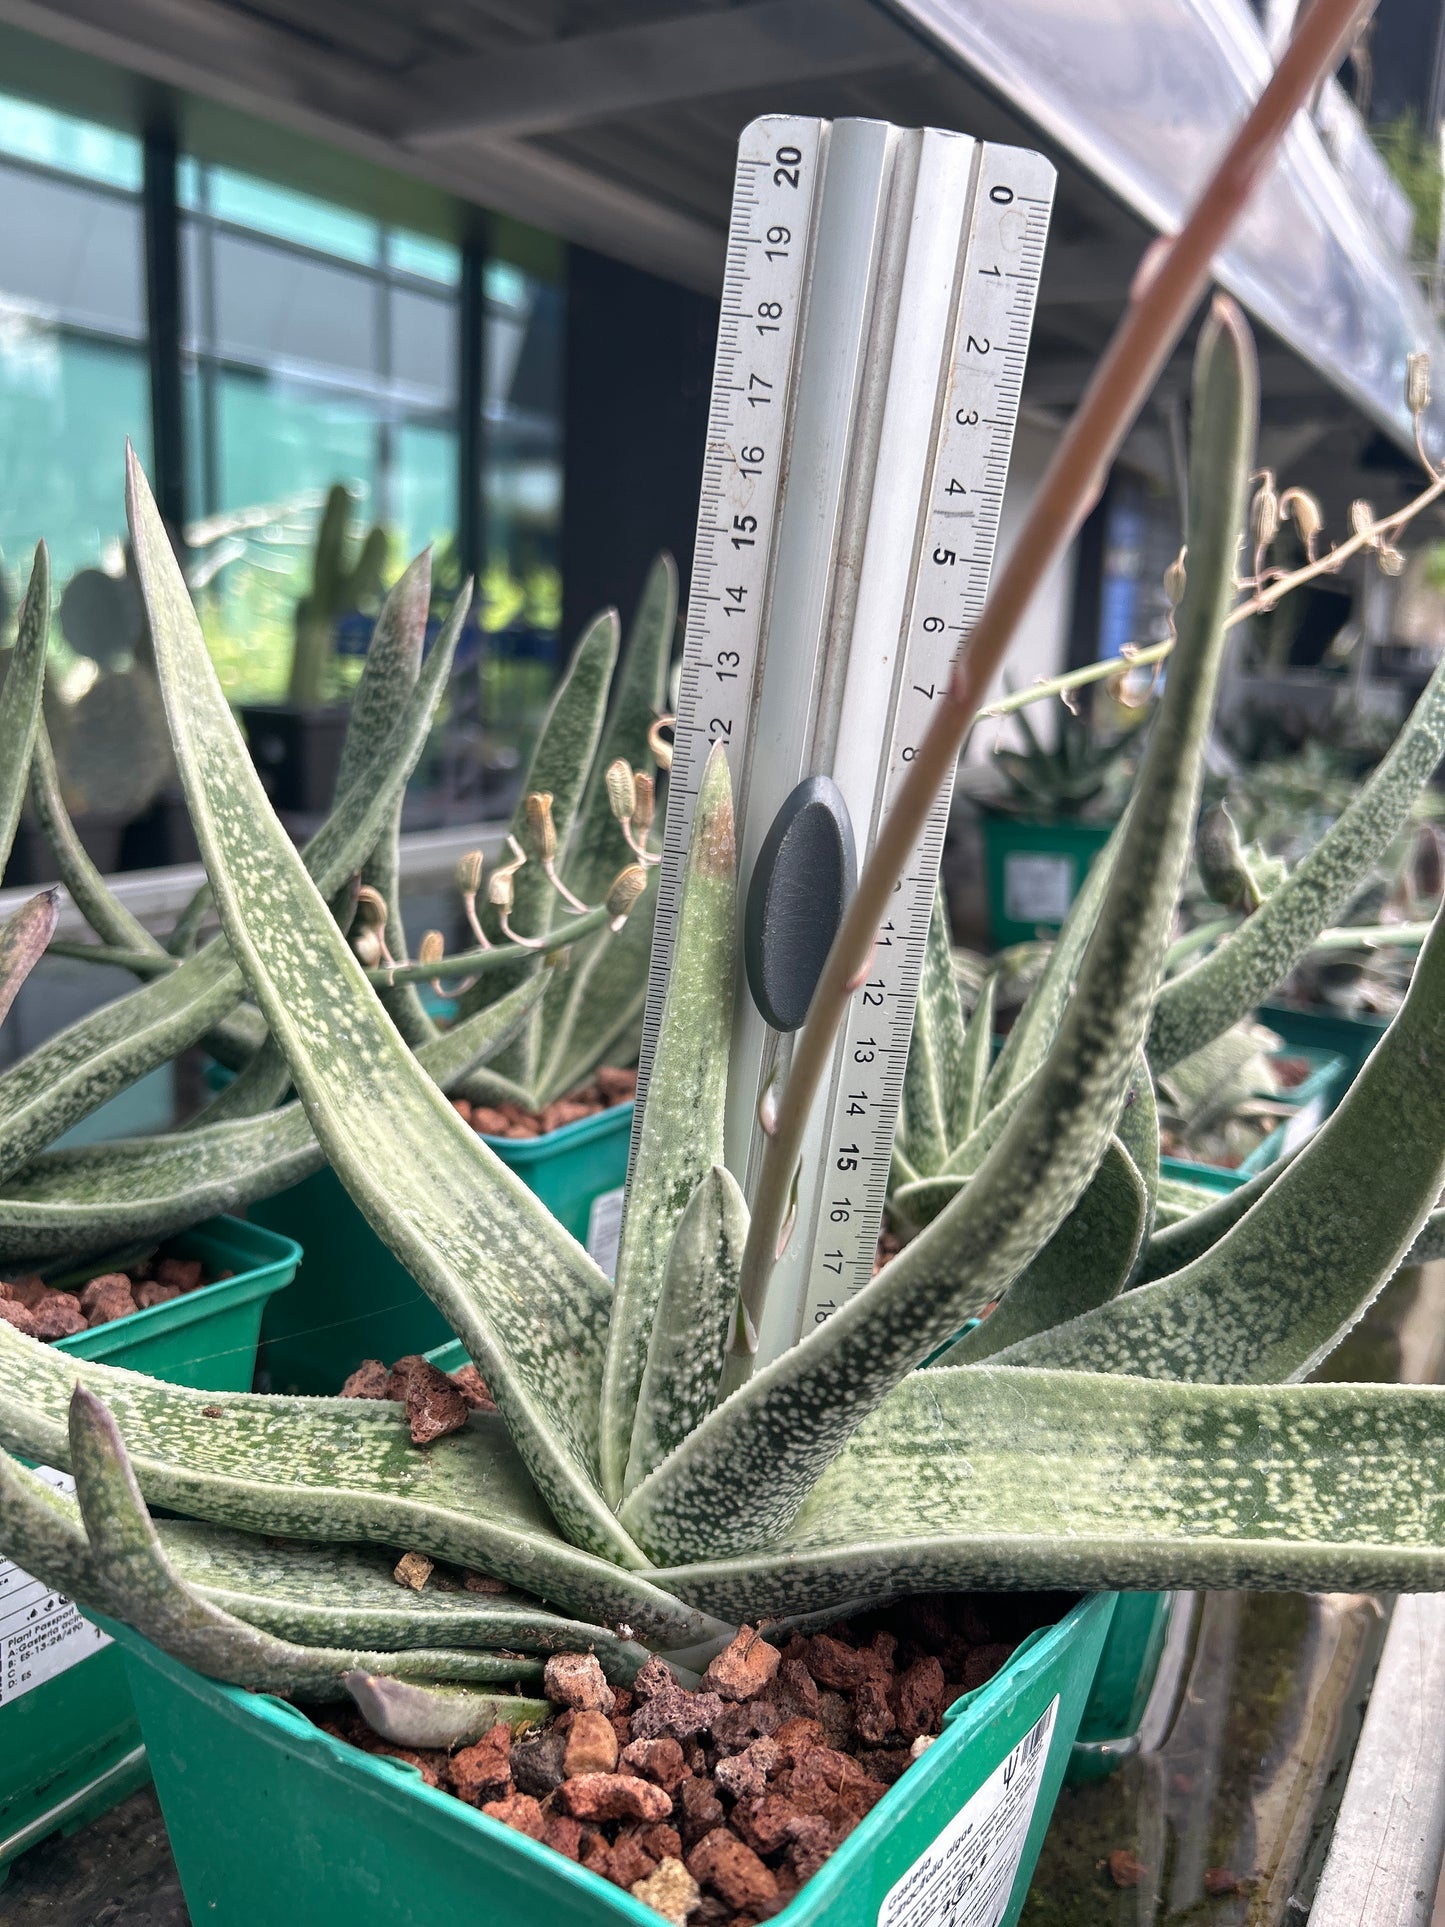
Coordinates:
[42,1632]
[604,1229]
[965,1876]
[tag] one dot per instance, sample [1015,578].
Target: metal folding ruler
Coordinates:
[876,312]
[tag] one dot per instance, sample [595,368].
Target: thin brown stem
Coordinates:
[1169,285]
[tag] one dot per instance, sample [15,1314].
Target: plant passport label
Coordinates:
[965,1876]
[42,1633]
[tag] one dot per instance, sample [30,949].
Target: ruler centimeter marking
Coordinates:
[910,320]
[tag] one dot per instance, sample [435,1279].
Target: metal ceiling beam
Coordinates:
[599,76]
[213,51]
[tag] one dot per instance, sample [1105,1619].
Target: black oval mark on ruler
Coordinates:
[806,872]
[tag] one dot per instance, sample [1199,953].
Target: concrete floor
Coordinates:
[117,1872]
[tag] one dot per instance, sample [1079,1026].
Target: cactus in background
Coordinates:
[1083,1435]
[111,747]
[341,580]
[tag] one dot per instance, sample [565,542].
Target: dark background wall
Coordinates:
[637,374]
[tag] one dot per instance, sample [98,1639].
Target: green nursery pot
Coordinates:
[270,1818]
[69,1743]
[1033,871]
[354,1300]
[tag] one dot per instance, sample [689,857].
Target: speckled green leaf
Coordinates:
[681,1135]
[332,1469]
[93,897]
[1280,1289]
[1260,954]
[1139,1134]
[23,938]
[935,1082]
[997,1478]
[82,1199]
[20,697]
[525,1298]
[1027,1044]
[690,1328]
[739,1479]
[606,985]
[435,1716]
[139,1584]
[46,1525]
[1086,1263]
[966,1097]
[81,1066]
[346,1596]
[1193,1225]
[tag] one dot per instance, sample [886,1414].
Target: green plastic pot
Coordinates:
[354,1300]
[1033,871]
[1352,1037]
[70,1746]
[270,1818]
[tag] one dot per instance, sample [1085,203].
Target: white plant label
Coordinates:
[965,1876]
[604,1229]
[42,1633]
[1037,889]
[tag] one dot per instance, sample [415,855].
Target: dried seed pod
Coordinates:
[1264,511]
[469,873]
[1417,382]
[1306,514]
[541,832]
[1390,559]
[366,946]
[1175,579]
[621,789]
[627,886]
[371,907]
[433,948]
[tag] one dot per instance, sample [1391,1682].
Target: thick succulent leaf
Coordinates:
[78,1200]
[561,758]
[20,697]
[139,1584]
[1139,1135]
[1027,1044]
[23,938]
[258,1087]
[81,1066]
[1228,983]
[689,1335]
[332,1595]
[999,1479]
[935,1082]
[101,908]
[33,1515]
[738,1480]
[965,1097]
[333,1470]
[525,1298]
[1281,1288]
[1194,1225]
[606,988]
[1086,1263]
[964,1159]
[1207,1085]
[681,1136]
[428,1716]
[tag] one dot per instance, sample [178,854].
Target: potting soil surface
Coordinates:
[117,1872]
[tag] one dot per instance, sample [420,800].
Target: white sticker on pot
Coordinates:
[1303,1125]
[965,1876]
[604,1229]
[41,1632]
[1037,888]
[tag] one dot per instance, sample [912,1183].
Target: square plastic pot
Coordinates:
[70,1746]
[1033,871]
[270,1818]
[353,1300]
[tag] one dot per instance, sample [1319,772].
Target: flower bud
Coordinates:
[1390,559]
[1264,511]
[627,886]
[1361,517]
[1306,514]
[433,948]
[1175,579]
[541,833]
[1417,382]
[660,746]
[366,946]
[371,907]
[469,873]
[499,891]
[621,789]
[646,805]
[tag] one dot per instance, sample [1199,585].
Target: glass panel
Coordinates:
[243,201]
[70,254]
[428,260]
[423,348]
[273,307]
[34,133]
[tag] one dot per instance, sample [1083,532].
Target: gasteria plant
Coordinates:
[1094,1431]
[587,859]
